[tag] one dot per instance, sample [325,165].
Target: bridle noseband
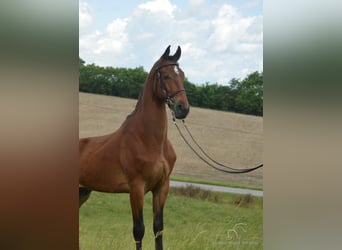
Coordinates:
[168,98]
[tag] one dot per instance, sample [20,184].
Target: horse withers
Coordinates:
[138,157]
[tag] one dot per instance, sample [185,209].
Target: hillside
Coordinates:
[233,139]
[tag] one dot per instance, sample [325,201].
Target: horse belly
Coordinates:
[104,178]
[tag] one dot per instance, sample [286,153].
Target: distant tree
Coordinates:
[81,62]
[244,96]
[249,94]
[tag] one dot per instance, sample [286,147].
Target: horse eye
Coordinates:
[166,77]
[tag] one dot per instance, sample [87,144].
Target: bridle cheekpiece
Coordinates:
[168,98]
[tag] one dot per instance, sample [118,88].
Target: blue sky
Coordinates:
[220,39]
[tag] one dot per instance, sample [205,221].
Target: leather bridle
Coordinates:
[169,98]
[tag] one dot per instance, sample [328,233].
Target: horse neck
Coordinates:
[152,114]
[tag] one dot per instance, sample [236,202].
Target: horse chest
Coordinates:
[161,165]
[155,167]
[155,173]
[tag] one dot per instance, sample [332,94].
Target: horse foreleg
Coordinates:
[137,203]
[159,198]
[83,195]
[158,229]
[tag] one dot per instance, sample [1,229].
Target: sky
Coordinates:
[220,39]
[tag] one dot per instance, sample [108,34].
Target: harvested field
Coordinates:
[233,139]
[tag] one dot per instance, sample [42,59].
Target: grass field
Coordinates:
[233,139]
[208,220]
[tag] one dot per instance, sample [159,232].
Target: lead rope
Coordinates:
[231,171]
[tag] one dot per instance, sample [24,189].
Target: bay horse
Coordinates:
[138,157]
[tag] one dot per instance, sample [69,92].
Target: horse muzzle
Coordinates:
[180,110]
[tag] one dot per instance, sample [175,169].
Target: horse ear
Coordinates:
[177,55]
[166,54]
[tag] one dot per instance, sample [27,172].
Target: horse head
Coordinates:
[170,79]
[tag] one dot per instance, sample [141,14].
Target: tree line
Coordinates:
[241,96]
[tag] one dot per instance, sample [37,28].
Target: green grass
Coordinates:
[194,219]
[217,183]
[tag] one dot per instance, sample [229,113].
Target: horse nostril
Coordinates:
[180,110]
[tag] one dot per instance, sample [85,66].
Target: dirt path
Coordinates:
[219,188]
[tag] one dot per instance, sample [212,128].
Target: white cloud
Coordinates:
[159,6]
[196,2]
[217,46]
[101,46]
[145,35]
[85,18]
[230,29]
[88,40]
[193,52]
[115,38]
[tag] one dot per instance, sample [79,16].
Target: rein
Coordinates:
[168,98]
[226,170]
